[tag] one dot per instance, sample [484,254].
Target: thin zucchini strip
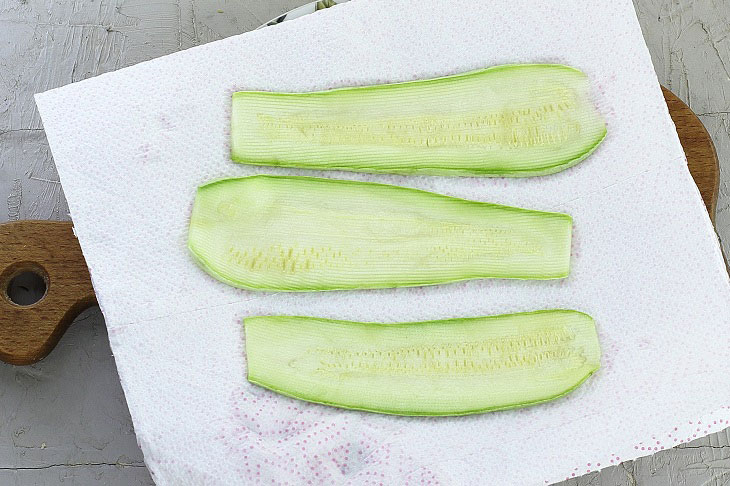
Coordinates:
[449,367]
[514,120]
[286,233]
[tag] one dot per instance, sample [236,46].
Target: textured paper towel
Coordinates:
[132,146]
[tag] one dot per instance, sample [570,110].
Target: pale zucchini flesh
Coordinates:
[448,367]
[513,120]
[287,233]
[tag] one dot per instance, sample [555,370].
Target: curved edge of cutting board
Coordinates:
[702,158]
[50,248]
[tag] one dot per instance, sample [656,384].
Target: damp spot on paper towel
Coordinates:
[267,433]
[143,152]
[165,122]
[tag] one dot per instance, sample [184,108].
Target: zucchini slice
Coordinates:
[302,234]
[450,367]
[515,120]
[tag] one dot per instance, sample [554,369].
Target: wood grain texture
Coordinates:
[67,412]
[698,147]
[50,249]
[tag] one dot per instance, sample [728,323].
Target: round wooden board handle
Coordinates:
[50,249]
[29,333]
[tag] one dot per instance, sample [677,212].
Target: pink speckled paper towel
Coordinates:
[132,146]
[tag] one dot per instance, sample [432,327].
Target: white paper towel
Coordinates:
[132,146]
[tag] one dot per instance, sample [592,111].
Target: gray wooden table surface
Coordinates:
[65,419]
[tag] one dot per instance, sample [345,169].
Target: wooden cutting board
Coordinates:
[50,249]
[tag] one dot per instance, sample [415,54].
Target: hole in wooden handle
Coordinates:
[25,284]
